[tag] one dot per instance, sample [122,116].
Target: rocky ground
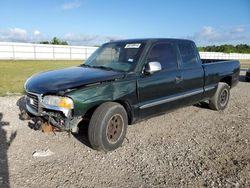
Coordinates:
[190,147]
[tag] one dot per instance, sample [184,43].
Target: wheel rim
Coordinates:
[223,97]
[115,128]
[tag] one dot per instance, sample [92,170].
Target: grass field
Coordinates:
[14,73]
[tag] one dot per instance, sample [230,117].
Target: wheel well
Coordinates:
[128,109]
[227,80]
[125,105]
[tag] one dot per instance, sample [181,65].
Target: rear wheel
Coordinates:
[220,100]
[108,127]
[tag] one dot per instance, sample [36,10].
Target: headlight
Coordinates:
[63,102]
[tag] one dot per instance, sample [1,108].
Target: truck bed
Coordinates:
[219,69]
[205,61]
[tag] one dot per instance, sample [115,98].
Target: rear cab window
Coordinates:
[188,55]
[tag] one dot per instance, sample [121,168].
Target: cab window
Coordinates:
[187,54]
[165,54]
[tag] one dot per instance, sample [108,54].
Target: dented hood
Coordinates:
[68,78]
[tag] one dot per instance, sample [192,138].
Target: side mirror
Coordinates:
[152,67]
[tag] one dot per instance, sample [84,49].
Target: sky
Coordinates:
[93,22]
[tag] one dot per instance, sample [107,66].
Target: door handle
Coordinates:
[178,79]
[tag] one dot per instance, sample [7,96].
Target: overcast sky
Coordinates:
[92,22]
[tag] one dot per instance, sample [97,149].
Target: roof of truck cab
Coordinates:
[153,40]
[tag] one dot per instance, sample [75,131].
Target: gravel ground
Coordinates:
[190,147]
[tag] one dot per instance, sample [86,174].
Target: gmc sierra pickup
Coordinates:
[126,81]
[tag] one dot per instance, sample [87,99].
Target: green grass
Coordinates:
[13,74]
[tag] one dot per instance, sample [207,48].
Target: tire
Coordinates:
[220,100]
[108,127]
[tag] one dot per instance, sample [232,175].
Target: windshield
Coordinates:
[118,56]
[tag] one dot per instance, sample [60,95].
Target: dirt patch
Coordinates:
[189,147]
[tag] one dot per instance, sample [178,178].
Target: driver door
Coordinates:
[157,91]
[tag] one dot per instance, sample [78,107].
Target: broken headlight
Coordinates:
[56,101]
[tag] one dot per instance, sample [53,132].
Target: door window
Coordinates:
[165,54]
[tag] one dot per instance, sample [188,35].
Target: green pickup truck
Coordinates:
[127,81]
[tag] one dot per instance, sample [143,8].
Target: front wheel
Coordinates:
[108,127]
[220,100]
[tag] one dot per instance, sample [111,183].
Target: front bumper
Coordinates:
[55,116]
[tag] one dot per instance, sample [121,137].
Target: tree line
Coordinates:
[55,41]
[227,48]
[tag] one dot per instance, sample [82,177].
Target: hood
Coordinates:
[68,78]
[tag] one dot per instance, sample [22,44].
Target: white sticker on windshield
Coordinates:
[135,45]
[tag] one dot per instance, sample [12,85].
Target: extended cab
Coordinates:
[126,81]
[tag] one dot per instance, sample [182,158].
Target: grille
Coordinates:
[32,101]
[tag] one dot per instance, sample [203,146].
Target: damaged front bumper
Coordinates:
[60,118]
